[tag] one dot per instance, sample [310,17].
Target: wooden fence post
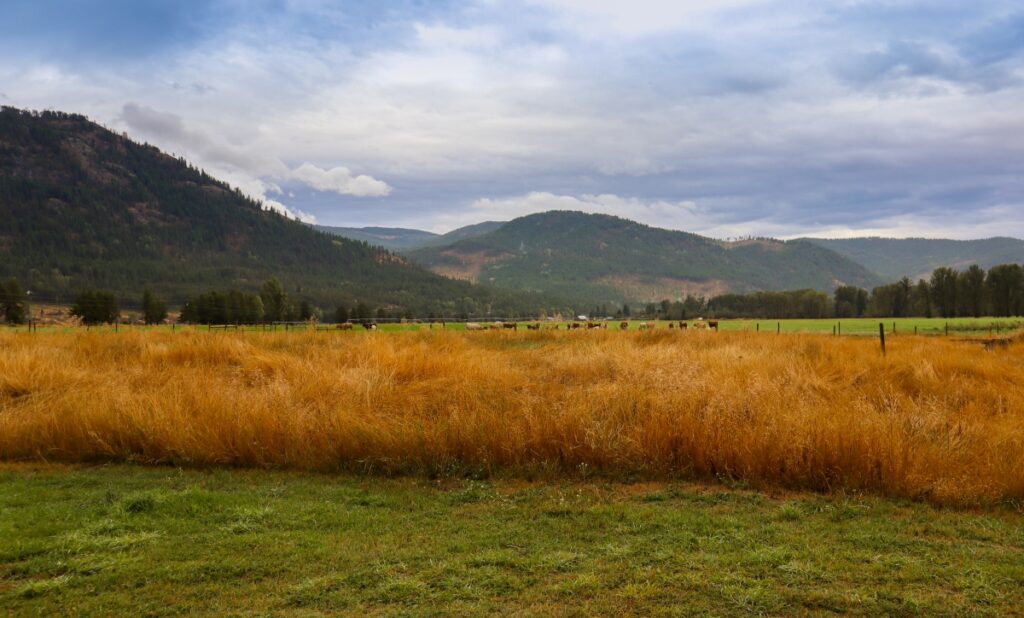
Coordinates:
[881,336]
[778,328]
[839,326]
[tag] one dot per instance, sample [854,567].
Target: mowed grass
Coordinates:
[157,541]
[935,419]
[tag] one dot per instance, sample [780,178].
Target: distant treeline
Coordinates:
[947,293]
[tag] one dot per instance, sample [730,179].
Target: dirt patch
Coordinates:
[655,289]
[466,266]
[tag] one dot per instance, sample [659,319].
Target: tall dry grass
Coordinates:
[934,419]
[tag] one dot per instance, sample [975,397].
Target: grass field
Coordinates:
[955,327]
[158,541]
[936,419]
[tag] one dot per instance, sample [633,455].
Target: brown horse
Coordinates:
[623,325]
[713,324]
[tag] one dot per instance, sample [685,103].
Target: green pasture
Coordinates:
[848,326]
[161,541]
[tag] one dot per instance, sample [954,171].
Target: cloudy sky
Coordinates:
[724,117]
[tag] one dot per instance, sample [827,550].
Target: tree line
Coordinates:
[947,293]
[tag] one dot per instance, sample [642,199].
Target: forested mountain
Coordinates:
[893,258]
[393,238]
[82,207]
[601,258]
[464,233]
[407,239]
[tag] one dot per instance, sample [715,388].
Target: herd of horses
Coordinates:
[478,326]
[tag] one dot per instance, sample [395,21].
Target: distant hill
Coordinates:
[464,233]
[894,258]
[405,239]
[81,206]
[394,238]
[602,258]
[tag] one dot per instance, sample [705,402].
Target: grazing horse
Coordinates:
[474,326]
[594,325]
[671,325]
[533,326]
[646,326]
[345,326]
[682,326]
[369,326]
[713,324]
[623,325]
[511,325]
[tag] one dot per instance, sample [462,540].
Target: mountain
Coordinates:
[407,239]
[83,207]
[464,233]
[394,238]
[894,258]
[601,258]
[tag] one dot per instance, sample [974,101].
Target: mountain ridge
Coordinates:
[611,259]
[894,258]
[408,239]
[83,207]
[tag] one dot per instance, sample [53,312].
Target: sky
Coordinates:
[728,118]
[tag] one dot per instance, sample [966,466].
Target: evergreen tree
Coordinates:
[154,310]
[1005,286]
[362,311]
[971,292]
[13,302]
[96,307]
[275,301]
[943,285]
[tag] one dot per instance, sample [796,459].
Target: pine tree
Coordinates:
[13,302]
[154,310]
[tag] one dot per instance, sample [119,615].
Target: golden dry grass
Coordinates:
[935,419]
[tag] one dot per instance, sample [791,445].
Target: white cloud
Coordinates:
[640,17]
[251,171]
[340,180]
[753,123]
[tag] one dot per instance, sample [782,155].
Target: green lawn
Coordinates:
[160,541]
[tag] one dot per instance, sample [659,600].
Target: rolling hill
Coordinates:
[894,258]
[392,238]
[602,258]
[407,239]
[83,207]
